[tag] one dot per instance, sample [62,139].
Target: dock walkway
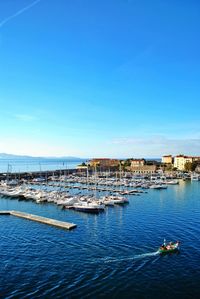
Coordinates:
[57,223]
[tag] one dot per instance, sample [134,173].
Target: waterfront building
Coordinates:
[144,169]
[137,162]
[168,159]
[181,160]
[196,159]
[104,163]
[81,167]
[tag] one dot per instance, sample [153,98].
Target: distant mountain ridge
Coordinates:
[21,157]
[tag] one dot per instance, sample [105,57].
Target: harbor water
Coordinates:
[43,164]
[110,255]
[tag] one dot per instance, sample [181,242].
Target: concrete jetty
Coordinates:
[5,212]
[52,222]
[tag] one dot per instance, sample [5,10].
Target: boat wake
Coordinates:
[148,254]
[135,257]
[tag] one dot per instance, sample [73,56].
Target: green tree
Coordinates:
[194,165]
[188,166]
[168,167]
[126,163]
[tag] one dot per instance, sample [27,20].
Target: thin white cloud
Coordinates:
[18,13]
[25,117]
[156,146]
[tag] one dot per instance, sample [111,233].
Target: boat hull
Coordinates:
[88,210]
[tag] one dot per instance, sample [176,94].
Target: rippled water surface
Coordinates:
[111,255]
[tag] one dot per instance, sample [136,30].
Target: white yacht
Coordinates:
[89,207]
[158,186]
[195,177]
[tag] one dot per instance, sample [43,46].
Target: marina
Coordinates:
[81,192]
[117,248]
[121,219]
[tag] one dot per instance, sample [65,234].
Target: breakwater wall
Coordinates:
[38,174]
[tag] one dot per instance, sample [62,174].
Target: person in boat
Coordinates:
[163,247]
[170,245]
[166,246]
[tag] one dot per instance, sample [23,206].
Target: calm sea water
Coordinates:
[20,165]
[111,255]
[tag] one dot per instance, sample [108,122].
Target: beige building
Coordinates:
[104,162]
[181,160]
[145,169]
[81,167]
[196,159]
[167,159]
[137,162]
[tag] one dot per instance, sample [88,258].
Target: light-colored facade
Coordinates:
[137,162]
[181,160]
[196,159]
[167,159]
[104,162]
[145,169]
[81,167]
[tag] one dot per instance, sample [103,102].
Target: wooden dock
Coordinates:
[52,222]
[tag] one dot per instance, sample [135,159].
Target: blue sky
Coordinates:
[109,78]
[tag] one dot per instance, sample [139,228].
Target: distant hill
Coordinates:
[10,156]
[20,157]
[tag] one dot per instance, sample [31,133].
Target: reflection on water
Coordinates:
[110,255]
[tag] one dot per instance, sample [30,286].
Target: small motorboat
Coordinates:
[169,247]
